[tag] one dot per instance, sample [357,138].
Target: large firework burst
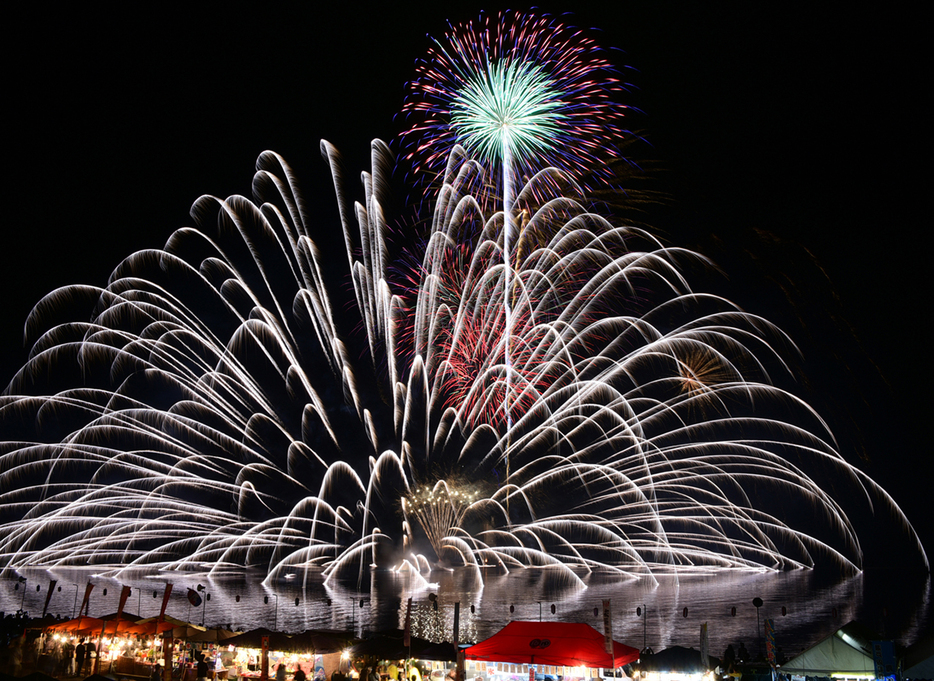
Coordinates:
[217,417]
[208,409]
[519,92]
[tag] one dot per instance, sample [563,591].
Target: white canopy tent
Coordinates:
[846,653]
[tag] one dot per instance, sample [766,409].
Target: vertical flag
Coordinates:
[165,600]
[48,596]
[770,641]
[85,604]
[883,657]
[704,647]
[124,594]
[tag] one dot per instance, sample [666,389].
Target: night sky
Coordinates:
[790,144]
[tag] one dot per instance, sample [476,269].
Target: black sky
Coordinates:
[792,141]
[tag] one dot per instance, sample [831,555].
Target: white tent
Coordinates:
[845,653]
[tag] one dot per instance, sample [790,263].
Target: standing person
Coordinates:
[68,658]
[202,667]
[80,653]
[299,674]
[90,653]
[729,658]
[280,672]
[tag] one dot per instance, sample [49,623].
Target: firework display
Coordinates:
[551,391]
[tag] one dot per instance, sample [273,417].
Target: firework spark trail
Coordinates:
[602,413]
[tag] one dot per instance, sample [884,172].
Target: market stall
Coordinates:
[568,649]
[316,655]
[675,663]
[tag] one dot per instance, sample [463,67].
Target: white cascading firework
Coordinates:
[216,414]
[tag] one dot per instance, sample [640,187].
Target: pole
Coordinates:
[75,606]
[645,617]
[757,602]
[643,613]
[168,652]
[461,665]
[264,674]
[96,666]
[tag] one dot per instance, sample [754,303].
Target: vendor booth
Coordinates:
[845,654]
[242,656]
[676,663]
[569,649]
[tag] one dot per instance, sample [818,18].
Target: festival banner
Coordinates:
[85,604]
[883,658]
[704,647]
[165,600]
[48,596]
[770,641]
[124,594]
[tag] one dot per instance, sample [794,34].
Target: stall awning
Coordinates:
[570,644]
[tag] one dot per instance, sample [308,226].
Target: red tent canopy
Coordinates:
[79,625]
[570,644]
